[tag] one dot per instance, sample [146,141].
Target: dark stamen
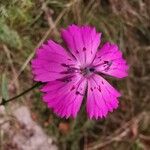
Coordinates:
[106,62]
[109,63]
[65,65]
[69,59]
[69,70]
[84,49]
[65,79]
[73,87]
[77,51]
[78,93]
[92,69]
[99,88]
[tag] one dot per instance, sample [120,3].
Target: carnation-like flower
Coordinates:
[76,72]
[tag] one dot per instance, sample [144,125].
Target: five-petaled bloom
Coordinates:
[68,74]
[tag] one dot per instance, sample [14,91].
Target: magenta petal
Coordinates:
[109,61]
[66,74]
[101,97]
[65,98]
[49,60]
[82,41]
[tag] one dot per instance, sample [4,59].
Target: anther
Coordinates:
[84,49]
[92,69]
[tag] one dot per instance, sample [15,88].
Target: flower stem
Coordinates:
[4,101]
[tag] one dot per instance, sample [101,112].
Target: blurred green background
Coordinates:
[25,24]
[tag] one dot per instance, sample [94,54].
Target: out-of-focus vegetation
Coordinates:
[25,24]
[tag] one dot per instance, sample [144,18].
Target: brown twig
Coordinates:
[7,51]
[40,42]
[118,135]
[48,13]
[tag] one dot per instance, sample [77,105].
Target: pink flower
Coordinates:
[68,74]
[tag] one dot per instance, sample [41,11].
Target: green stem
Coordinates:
[4,101]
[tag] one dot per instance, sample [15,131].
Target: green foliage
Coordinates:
[4,87]
[9,36]
[138,145]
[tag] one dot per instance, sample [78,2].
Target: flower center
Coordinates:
[87,71]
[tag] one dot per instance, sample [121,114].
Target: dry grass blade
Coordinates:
[7,51]
[52,26]
[119,134]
